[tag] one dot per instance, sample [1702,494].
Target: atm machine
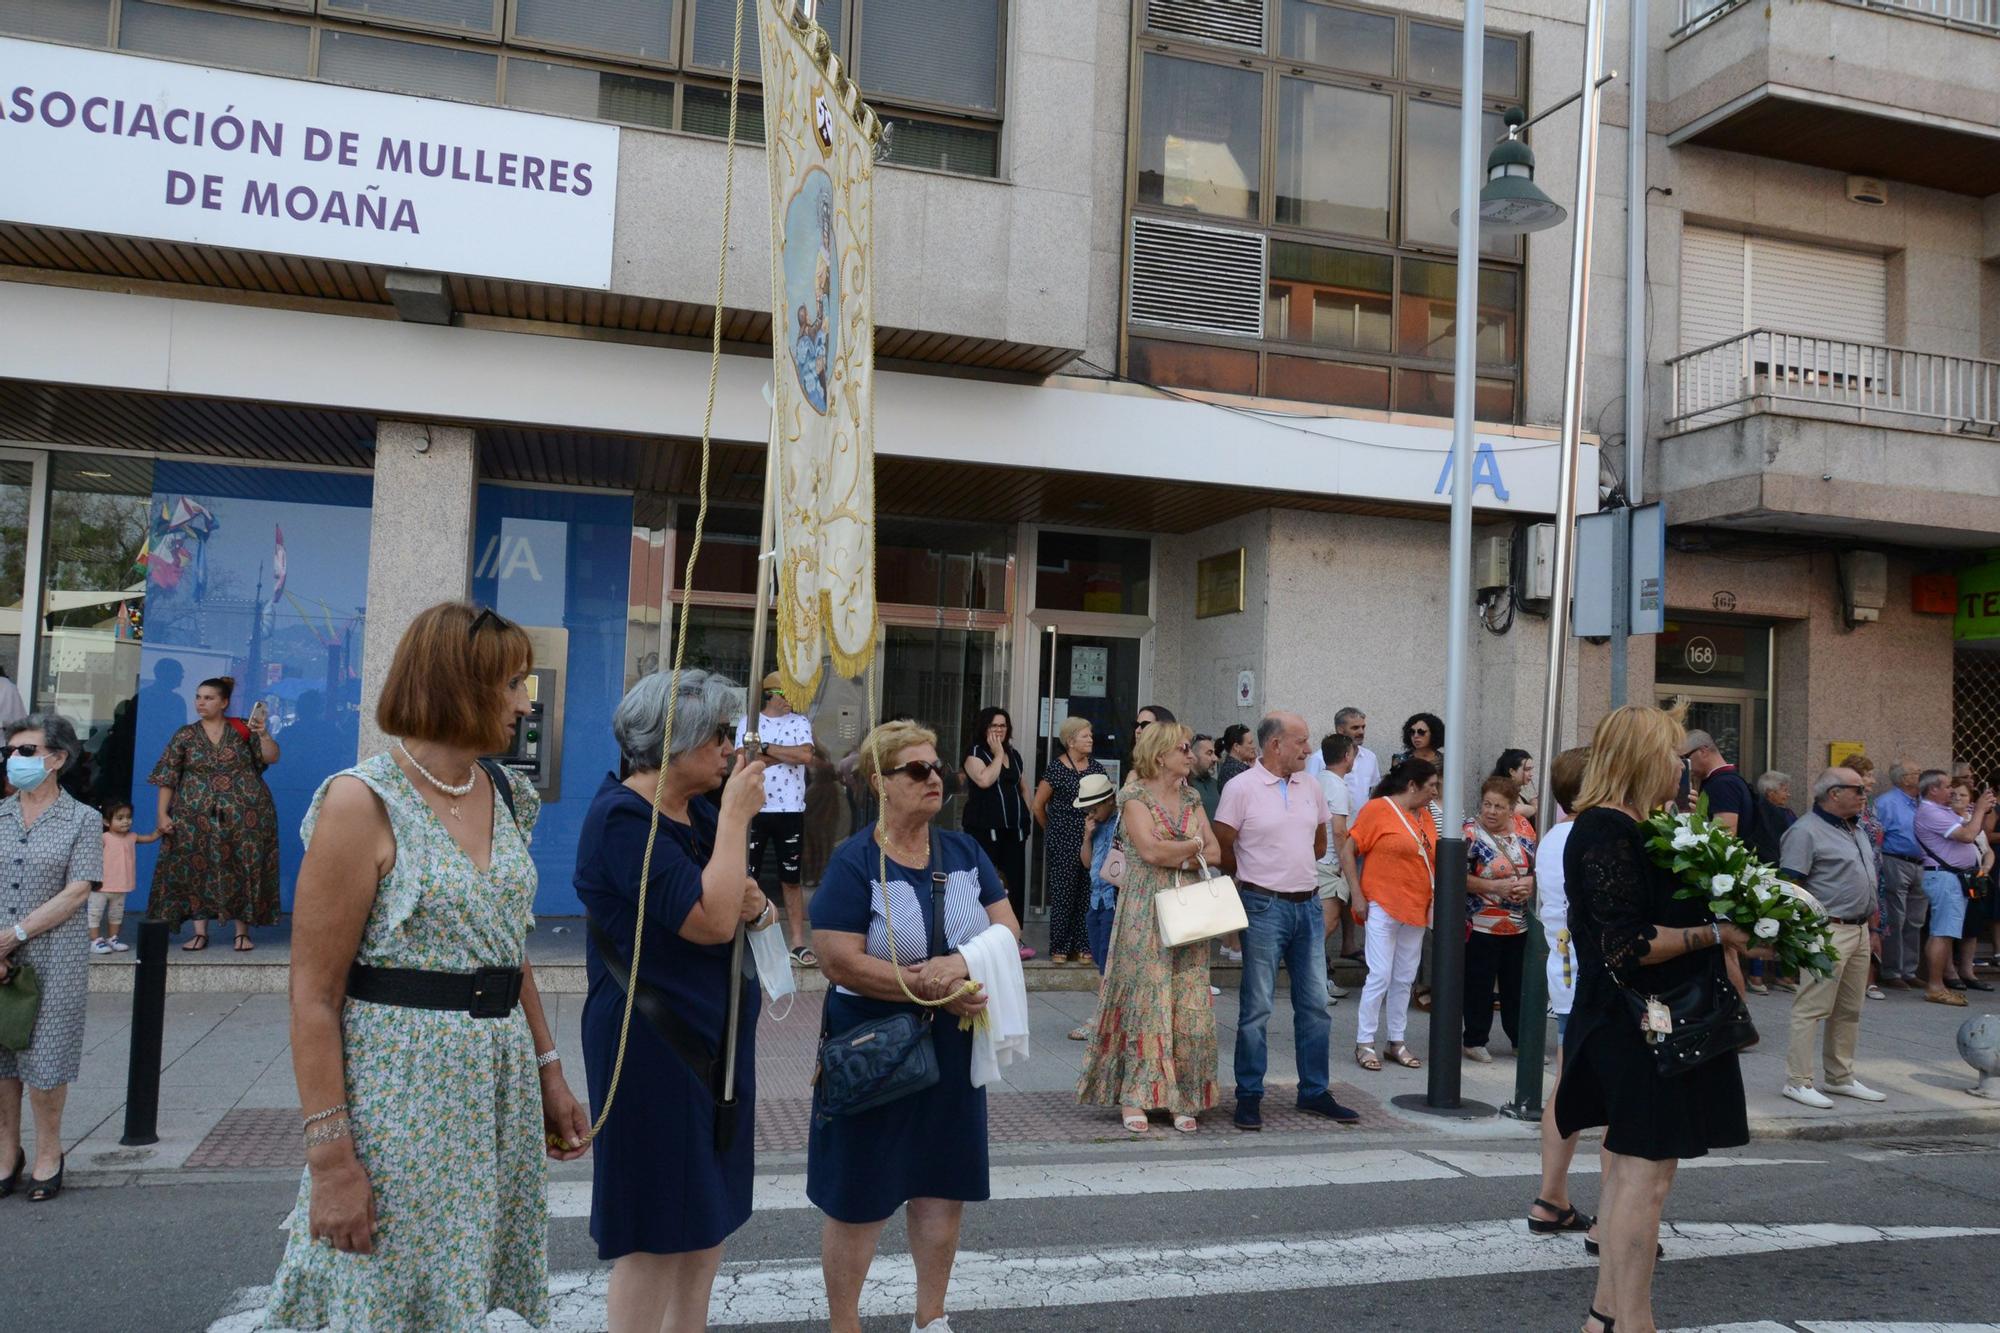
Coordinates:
[536,752]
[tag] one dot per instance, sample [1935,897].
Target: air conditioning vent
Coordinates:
[1206,279]
[1231,22]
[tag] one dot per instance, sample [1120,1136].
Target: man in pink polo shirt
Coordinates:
[1271,823]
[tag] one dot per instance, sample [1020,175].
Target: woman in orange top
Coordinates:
[1396,841]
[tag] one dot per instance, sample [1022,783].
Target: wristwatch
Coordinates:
[20,933]
[764,749]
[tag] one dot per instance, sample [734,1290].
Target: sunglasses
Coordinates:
[1140,726]
[25,751]
[1185,748]
[918,770]
[725,734]
[486,616]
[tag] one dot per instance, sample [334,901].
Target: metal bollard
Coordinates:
[149,1021]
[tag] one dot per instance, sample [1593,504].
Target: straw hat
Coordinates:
[1093,790]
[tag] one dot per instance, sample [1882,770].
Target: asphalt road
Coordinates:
[1853,1237]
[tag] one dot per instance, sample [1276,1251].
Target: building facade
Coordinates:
[1165,330]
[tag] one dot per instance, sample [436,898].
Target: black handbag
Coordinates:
[884,1059]
[1707,1017]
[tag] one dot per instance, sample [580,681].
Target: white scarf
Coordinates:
[1000,1037]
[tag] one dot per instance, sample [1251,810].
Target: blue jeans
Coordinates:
[1097,929]
[1290,932]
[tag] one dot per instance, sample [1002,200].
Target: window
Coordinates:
[1353,225]
[714,31]
[466,16]
[706,111]
[1349,39]
[640,29]
[58,20]
[1201,137]
[571,90]
[968,150]
[1080,571]
[214,39]
[1333,158]
[423,68]
[935,52]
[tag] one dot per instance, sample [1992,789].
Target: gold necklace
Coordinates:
[889,846]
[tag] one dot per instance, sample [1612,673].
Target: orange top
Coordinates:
[1397,850]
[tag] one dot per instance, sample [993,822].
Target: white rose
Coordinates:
[1685,837]
[1763,893]
[1766,928]
[1723,885]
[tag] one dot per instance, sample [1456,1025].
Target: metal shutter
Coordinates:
[1207,279]
[1814,290]
[1234,22]
[1712,300]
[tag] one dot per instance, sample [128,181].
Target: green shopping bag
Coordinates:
[20,1003]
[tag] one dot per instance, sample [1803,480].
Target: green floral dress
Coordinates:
[1154,1043]
[446,1108]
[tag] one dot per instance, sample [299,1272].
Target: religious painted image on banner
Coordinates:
[812,286]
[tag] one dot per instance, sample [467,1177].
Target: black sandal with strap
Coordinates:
[1566,1219]
[13,1182]
[1604,1319]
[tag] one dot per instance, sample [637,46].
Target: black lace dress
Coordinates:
[1616,898]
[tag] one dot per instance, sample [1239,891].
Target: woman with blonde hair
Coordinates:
[427,1074]
[1056,811]
[898,903]
[1630,930]
[1154,1047]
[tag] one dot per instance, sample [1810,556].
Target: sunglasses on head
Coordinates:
[25,751]
[918,770]
[487,616]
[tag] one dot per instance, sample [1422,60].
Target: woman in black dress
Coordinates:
[1628,927]
[996,805]
[1055,810]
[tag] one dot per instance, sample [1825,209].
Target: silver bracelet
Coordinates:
[328,1114]
[331,1132]
[547,1058]
[1716,926]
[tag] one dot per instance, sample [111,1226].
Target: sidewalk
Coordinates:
[227,1099]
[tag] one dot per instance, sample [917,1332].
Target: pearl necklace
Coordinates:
[455,791]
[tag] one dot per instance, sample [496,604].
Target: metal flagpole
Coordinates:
[1636,289]
[1448,942]
[1527,1103]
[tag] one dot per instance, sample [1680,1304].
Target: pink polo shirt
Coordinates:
[1275,823]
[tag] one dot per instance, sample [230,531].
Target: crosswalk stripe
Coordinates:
[1846,1326]
[787,1292]
[785,1192]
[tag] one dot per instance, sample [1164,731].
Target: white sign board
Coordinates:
[1088,670]
[97,141]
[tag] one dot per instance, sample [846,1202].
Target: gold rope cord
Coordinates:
[687,579]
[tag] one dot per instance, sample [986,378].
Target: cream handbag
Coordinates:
[1199,909]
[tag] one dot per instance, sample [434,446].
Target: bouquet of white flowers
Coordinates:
[1714,865]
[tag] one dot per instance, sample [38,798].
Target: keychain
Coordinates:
[1659,1020]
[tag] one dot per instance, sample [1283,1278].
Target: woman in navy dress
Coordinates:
[664,1195]
[928,1149]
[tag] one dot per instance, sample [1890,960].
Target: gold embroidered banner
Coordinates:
[820,138]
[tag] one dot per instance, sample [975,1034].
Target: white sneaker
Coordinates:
[1808,1096]
[120,946]
[1856,1089]
[1479,1055]
[1230,955]
[941,1324]
[1336,990]
[1214,991]
[99,946]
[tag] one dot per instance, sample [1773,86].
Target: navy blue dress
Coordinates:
[931,1144]
[659,1186]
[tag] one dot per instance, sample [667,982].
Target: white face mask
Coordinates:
[774,964]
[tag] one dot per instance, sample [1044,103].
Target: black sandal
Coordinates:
[13,1182]
[41,1191]
[1566,1219]
[1604,1319]
[195,944]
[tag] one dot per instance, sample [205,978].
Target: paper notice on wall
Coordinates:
[1052,720]
[1088,668]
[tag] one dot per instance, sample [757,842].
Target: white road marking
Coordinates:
[786,1192]
[1866,1326]
[787,1292]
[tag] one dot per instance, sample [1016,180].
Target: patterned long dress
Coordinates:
[1062,843]
[221,860]
[1154,1045]
[37,861]
[446,1108]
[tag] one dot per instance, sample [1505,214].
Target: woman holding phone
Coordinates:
[218,824]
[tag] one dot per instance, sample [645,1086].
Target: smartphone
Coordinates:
[258,713]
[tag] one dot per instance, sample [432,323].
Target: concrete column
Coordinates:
[419,542]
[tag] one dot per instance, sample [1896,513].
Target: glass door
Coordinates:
[1738,721]
[22,512]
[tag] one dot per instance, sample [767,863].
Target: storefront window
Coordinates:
[93,609]
[1078,571]
[254,573]
[960,566]
[16,478]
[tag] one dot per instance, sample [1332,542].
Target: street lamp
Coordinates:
[1511,202]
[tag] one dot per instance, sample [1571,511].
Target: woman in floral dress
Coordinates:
[1154,1046]
[429,1092]
[218,825]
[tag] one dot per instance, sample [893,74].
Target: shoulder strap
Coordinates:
[690,1046]
[503,786]
[938,881]
[239,726]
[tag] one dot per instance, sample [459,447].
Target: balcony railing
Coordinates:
[1983,15]
[1768,370]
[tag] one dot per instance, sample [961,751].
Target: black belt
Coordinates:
[1305,897]
[490,992]
[1850,920]
[1898,856]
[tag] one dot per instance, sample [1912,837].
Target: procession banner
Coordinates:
[820,138]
